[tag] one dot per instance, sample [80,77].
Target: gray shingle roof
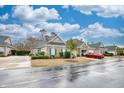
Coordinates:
[78,42]
[96,45]
[46,40]
[3,38]
[111,48]
[2,41]
[39,44]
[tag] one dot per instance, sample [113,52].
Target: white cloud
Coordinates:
[19,32]
[4,17]
[97,30]
[59,27]
[28,14]
[103,11]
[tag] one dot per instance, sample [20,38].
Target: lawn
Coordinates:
[58,62]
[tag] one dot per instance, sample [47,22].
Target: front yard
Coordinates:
[58,62]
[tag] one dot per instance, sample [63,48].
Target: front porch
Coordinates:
[54,51]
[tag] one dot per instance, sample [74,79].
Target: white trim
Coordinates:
[83,43]
[55,38]
[55,46]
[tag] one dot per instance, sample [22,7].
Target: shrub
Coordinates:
[42,53]
[67,54]
[22,52]
[31,54]
[1,52]
[61,54]
[39,57]
[108,54]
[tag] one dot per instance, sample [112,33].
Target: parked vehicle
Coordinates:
[99,56]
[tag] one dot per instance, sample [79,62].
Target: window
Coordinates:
[53,51]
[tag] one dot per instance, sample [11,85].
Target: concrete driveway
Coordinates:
[13,62]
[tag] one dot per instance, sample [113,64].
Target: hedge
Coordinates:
[39,57]
[67,54]
[61,54]
[21,52]
[108,54]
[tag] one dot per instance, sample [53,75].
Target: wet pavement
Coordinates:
[102,74]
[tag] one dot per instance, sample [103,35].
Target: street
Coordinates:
[102,74]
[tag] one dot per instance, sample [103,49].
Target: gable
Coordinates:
[84,45]
[8,41]
[3,39]
[57,41]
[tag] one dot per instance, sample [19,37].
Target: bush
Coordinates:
[39,57]
[22,52]
[61,54]
[31,54]
[1,52]
[108,54]
[42,53]
[67,54]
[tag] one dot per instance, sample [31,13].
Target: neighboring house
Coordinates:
[112,49]
[97,47]
[50,43]
[5,45]
[82,47]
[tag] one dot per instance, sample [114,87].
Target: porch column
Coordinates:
[80,52]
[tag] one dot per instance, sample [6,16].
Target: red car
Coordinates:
[99,56]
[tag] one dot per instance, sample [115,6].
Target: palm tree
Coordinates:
[71,45]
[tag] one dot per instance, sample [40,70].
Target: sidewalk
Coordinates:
[13,62]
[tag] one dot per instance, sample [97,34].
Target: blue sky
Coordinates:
[91,23]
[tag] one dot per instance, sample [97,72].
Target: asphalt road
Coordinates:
[92,75]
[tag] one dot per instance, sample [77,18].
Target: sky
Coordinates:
[88,22]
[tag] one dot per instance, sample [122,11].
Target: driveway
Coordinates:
[13,62]
[101,74]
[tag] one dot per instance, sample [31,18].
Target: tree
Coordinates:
[71,45]
[30,42]
[26,44]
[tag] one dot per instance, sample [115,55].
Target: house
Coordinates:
[97,47]
[112,49]
[5,45]
[50,43]
[82,47]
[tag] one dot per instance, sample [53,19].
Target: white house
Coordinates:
[112,49]
[97,47]
[82,47]
[5,45]
[50,43]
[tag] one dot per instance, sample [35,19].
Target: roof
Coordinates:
[47,39]
[78,42]
[2,40]
[39,44]
[111,48]
[96,45]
